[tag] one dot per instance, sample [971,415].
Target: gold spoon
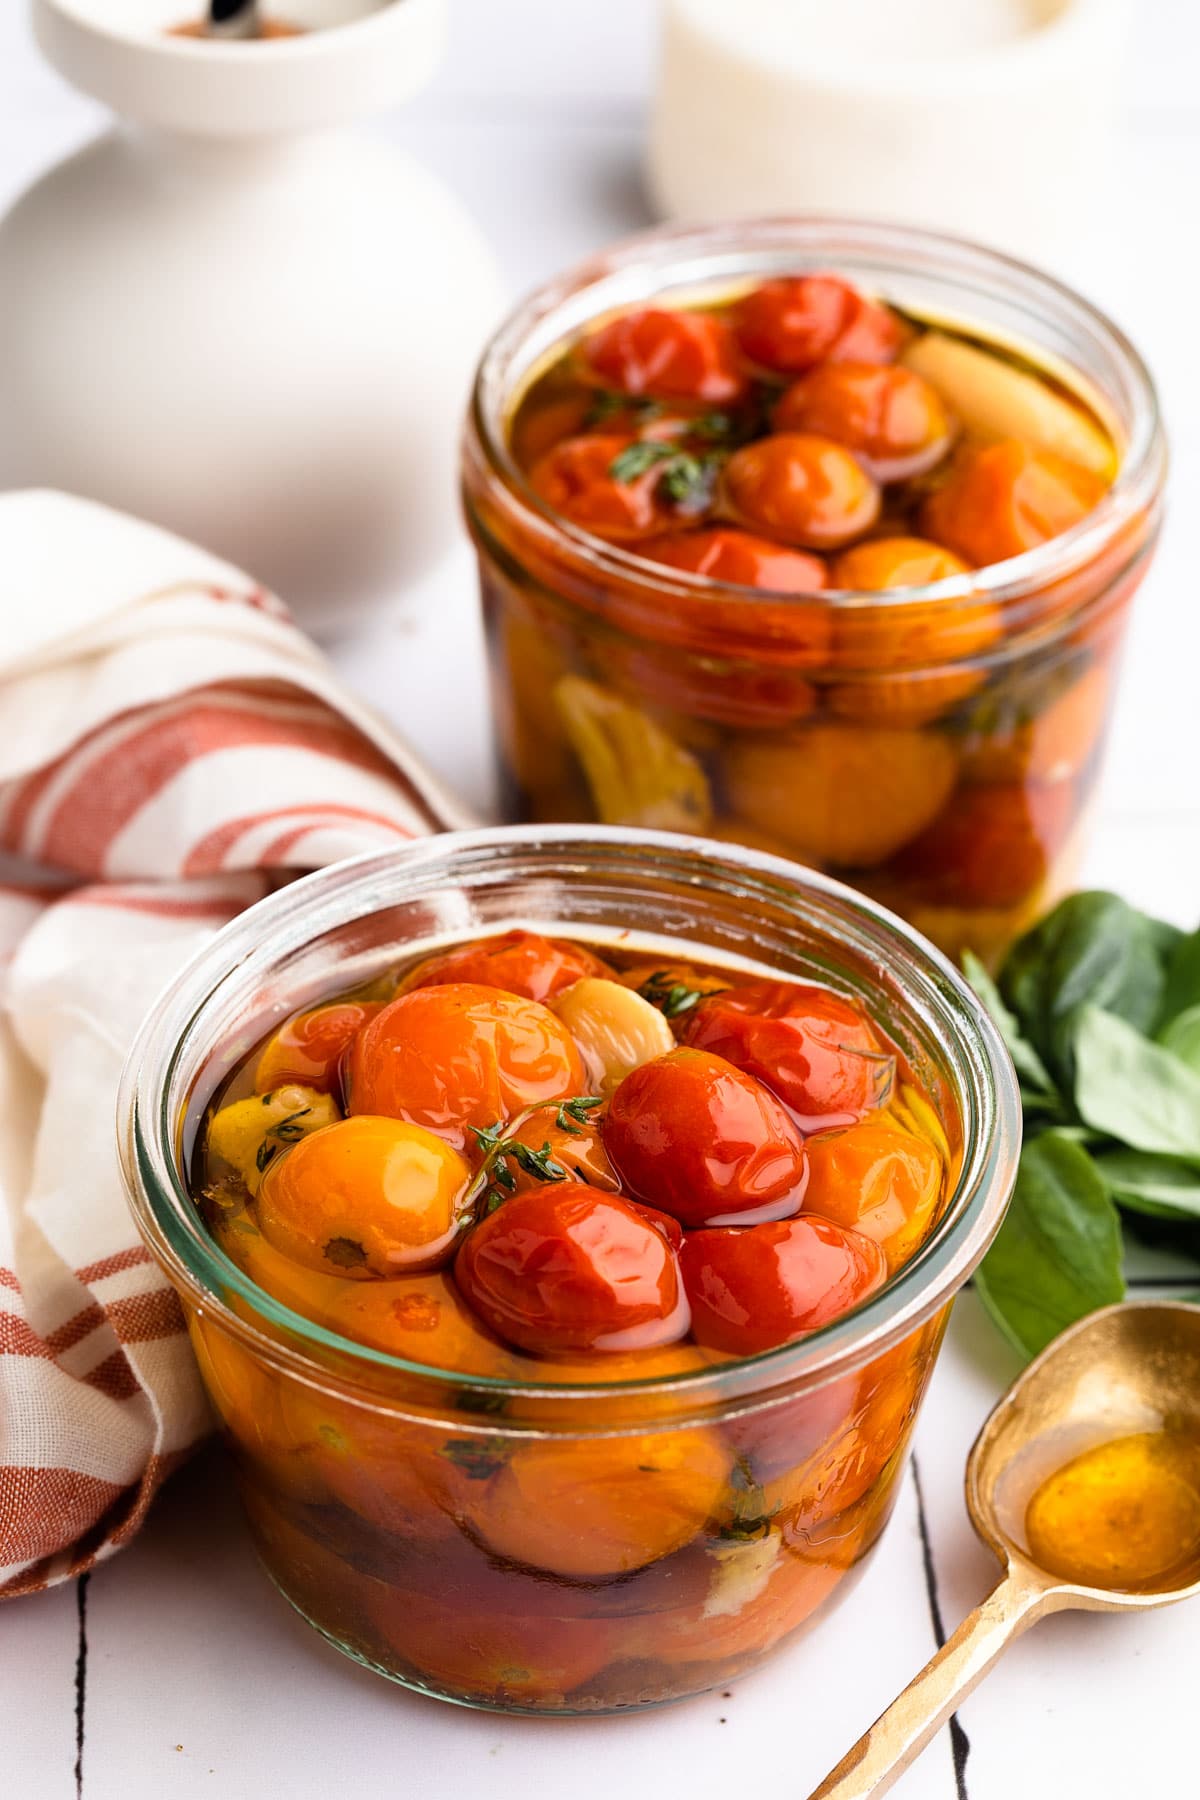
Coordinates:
[1127,1379]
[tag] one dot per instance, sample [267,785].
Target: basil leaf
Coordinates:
[1092,949]
[1058,1253]
[1036,1084]
[1164,1187]
[1181,1036]
[1132,1089]
[1182,990]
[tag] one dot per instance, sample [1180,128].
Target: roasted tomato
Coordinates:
[755,1287]
[512,1658]
[918,659]
[993,846]
[879,1180]
[722,553]
[599,1506]
[894,421]
[817,1052]
[1006,498]
[459,1056]
[574,1147]
[799,320]
[704,1141]
[669,355]
[803,489]
[576,479]
[310,1047]
[564,1268]
[521,962]
[364,1198]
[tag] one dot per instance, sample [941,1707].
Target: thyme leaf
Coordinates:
[672,998]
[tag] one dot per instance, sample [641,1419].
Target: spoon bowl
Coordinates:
[1126,1376]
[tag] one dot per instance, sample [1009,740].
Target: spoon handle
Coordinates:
[900,1734]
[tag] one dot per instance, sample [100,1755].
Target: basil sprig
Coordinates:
[1100,1008]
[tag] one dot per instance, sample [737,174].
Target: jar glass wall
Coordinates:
[563,1546]
[937,746]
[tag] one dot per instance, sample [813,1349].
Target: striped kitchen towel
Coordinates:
[169,743]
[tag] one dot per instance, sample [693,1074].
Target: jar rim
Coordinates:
[733,251]
[150,1108]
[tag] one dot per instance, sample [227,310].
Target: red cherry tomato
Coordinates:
[576,480]
[799,320]
[806,490]
[671,355]
[1006,498]
[580,1151]
[755,1288]
[696,1137]
[310,1047]
[993,846]
[723,553]
[894,421]
[566,1268]
[520,962]
[817,1052]
[459,1056]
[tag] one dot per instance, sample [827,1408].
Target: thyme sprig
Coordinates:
[286,1131]
[501,1148]
[687,480]
[672,998]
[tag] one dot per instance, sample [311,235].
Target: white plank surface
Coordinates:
[199,1679]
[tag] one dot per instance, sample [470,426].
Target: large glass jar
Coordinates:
[552,1547]
[879,735]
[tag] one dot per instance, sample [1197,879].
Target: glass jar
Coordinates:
[866,733]
[559,1547]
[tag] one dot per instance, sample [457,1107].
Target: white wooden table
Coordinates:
[176,1671]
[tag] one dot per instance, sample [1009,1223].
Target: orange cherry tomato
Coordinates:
[816,1052]
[894,420]
[458,1056]
[520,962]
[1006,498]
[576,480]
[723,553]
[912,654]
[563,1268]
[993,845]
[758,1286]
[879,1180]
[589,1507]
[804,489]
[670,355]
[310,1047]
[513,1658]
[796,321]
[700,1139]
[364,1198]
[580,1151]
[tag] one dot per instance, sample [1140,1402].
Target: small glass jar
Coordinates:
[865,733]
[558,1547]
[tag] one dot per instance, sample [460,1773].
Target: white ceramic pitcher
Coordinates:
[233,318]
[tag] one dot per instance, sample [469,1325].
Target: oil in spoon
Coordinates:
[1124,1515]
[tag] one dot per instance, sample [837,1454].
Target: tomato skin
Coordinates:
[796,321]
[759,1286]
[877,1180]
[667,355]
[575,478]
[520,962]
[892,419]
[699,1139]
[817,1052]
[564,1268]
[803,489]
[365,1198]
[460,1055]
[310,1047]
[723,553]
[1006,498]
